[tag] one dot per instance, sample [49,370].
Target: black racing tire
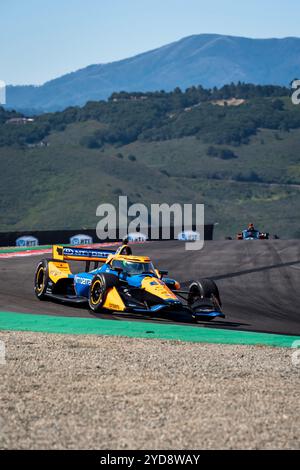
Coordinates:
[203,289]
[41,279]
[101,283]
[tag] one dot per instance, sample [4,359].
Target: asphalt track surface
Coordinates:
[259,283]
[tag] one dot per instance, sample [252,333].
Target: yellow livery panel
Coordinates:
[58,270]
[157,287]
[113,301]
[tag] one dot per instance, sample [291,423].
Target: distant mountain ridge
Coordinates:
[205,59]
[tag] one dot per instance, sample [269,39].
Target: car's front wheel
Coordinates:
[99,287]
[205,289]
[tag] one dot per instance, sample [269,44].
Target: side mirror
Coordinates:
[163,273]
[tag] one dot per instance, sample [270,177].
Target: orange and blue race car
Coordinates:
[121,282]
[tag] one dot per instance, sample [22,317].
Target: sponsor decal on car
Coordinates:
[83,280]
[115,306]
[85,253]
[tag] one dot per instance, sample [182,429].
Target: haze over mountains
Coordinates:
[205,59]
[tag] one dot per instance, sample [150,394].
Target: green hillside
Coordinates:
[242,161]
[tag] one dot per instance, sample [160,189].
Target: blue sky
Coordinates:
[43,39]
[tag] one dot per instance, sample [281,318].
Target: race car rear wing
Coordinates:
[61,253]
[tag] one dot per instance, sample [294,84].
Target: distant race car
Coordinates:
[122,283]
[252,234]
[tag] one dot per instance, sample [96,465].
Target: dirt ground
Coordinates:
[88,392]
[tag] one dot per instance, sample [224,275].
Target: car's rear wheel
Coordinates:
[99,287]
[41,279]
[204,289]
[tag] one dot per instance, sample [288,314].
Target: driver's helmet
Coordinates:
[126,250]
[251,228]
